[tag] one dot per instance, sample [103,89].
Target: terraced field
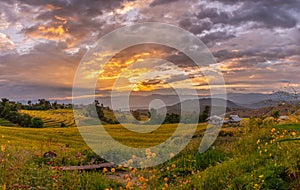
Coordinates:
[53,118]
[4,122]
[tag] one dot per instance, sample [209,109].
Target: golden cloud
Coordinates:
[57,30]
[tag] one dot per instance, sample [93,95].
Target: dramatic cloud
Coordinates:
[256,43]
[5,43]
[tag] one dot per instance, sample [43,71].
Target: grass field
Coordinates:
[53,118]
[4,122]
[246,157]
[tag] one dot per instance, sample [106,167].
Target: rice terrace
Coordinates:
[149,95]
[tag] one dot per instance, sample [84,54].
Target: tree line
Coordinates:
[9,111]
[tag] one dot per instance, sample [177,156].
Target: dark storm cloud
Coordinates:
[215,15]
[190,25]
[265,14]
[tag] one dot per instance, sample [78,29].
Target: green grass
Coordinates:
[4,122]
[294,127]
[247,157]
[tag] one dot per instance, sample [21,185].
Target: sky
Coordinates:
[255,43]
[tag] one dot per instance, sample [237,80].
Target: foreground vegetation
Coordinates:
[248,157]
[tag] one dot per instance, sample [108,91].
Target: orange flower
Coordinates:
[104,170]
[141,179]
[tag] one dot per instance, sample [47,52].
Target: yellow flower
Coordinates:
[2,148]
[261,176]
[4,186]
[104,170]
[258,141]
[294,133]
[112,170]
[273,130]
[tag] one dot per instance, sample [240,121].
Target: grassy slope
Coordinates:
[254,161]
[53,118]
[4,122]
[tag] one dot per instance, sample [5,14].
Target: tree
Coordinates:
[26,120]
[205,114]
[37,123]
[172,118]
[275,114]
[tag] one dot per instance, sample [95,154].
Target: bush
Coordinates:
[37,123]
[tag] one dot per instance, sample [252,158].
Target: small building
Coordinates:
[215,120]
[234,119]
[283,117]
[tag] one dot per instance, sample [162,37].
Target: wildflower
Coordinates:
[112,170]
[293,133]
[129,184]
[104,170]
[130,161]
[166,185]
[166,179]
[173,165]
[148,151]
[153,155]
[2,148]
[261,176]
[142,179]
[273,130]
[258,141]
[172,155]
[168,168]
